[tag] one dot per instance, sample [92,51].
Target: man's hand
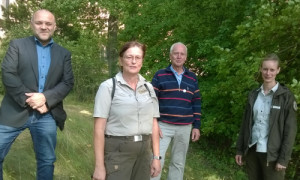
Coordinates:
[195,134]
[43,109]
[35,100]
[238,160]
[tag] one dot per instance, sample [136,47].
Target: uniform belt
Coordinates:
[135,138]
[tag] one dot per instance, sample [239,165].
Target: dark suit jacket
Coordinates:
[20,75]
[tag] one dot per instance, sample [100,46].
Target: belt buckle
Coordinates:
[137,138]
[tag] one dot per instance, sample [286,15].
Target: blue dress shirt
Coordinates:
[44,59]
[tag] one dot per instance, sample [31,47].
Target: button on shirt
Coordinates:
[130,112]
[44,59]
[261,112]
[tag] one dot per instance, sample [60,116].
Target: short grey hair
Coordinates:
[172,47]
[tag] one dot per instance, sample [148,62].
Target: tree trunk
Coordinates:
[112,45]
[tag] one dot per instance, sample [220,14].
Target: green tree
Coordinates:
[112,44]
[272,27]
[226,41]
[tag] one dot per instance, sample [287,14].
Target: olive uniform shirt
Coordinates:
[129,112]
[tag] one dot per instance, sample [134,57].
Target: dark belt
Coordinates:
[135,138]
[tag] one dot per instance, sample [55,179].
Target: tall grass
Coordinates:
[206,163]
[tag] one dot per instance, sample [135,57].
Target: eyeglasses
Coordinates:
[130,58]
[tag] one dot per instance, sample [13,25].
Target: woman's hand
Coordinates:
[99,174]
[238,160]
[279,167]
[155,167]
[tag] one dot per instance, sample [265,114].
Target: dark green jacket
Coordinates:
[283,126]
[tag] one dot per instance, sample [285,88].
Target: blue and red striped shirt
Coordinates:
[178,104]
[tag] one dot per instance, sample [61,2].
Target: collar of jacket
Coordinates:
[281,90]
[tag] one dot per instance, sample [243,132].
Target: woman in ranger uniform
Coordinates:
[126,127]
[269,126]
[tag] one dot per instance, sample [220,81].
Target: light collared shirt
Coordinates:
[177,75]
[44,60]
[130,112]
[261,113]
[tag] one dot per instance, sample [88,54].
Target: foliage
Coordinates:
[198,24]
[88,67]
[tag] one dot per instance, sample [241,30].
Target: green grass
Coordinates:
[75,157]
[204,163]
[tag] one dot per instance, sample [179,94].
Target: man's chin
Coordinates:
[44,38]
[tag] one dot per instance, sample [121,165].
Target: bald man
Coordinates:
[37,76]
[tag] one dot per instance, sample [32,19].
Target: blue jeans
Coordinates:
[43,133]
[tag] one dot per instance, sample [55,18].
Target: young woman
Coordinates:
[269,126]
[125,122]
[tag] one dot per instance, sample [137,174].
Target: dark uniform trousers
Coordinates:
[126,159]
[259,169]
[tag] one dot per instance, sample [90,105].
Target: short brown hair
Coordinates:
[130,44]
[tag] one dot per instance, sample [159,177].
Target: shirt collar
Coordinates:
[38,42]
[273,90]
[119,77]
[173,70]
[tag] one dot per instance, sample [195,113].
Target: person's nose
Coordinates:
[133,60]
[43,26]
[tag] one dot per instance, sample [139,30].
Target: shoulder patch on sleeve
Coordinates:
[295,106]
